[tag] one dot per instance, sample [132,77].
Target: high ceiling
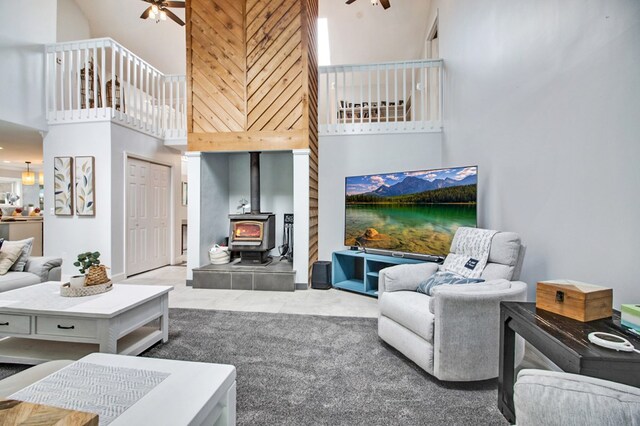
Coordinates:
[358,33]
[361,33]
[161,44]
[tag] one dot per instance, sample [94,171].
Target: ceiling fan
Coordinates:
[385,3]
[159,10]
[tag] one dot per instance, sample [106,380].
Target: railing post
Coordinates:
[440,89]
[171,124]
[103,82]
[144,94]
[120,56]
[113,81]
[413,91]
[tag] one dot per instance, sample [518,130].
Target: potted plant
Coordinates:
[89,264]
[84,263]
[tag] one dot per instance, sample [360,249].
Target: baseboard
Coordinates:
[302,286]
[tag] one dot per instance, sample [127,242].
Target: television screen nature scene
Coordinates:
[414,212]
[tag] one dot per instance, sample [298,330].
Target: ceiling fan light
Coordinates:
[374,2]
[163,15]
[152,15]
[154,9]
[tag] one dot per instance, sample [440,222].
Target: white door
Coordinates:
[148,204]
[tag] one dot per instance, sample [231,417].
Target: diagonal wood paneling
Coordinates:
[274,66]
[216,57]
[310,117]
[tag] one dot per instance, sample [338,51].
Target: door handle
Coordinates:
[71,327]
[4,323]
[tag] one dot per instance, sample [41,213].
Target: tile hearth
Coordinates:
[303,302]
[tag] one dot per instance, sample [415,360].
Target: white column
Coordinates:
[193,212]
[301,215]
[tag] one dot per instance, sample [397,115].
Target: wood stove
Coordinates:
[253,234]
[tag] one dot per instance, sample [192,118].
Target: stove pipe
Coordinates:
[255,182]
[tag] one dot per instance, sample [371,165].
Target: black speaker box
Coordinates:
[321,275]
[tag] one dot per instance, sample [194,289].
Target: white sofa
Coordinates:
[37,270]
[454,334]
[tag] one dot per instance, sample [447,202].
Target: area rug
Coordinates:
[319,370]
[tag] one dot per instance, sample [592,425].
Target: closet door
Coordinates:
[148,205]
[159,202]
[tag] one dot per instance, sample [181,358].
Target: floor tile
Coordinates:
[304,302]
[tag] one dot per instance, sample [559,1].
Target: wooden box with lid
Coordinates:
[574,299]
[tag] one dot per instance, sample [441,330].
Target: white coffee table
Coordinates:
[41,325]
[193,393]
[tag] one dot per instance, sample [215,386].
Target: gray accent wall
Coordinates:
[354,155]
[545,97]
[214,202]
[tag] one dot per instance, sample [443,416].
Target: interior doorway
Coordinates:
[148,216]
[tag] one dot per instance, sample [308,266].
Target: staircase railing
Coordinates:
[98,79]
[392,97]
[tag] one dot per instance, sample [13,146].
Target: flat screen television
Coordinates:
[410,212]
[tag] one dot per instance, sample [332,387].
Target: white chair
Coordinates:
[553,398]
[454,334]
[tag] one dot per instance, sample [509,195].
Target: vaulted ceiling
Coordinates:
[361,33]
[358,33]
[161,44]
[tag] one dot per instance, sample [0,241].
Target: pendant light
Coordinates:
[28,177]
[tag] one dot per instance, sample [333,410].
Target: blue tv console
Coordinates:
[358,271]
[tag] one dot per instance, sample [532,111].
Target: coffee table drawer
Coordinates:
[66,326]
[15,324]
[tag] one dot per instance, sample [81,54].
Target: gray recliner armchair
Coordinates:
[453,334]
[557,398]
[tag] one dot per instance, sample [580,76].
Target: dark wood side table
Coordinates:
[564,341]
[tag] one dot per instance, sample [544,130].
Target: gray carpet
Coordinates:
[315,370]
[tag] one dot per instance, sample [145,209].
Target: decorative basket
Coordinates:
[96,275]
[219,255]
[67,291]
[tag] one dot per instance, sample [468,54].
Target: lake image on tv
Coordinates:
[417,212]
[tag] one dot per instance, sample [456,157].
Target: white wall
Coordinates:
[545,97]
[109,143]
[25,26]
[276,184]
[342,156]
[67,236]
[125,141]
[71,22]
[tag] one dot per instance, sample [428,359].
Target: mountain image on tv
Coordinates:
[415,212]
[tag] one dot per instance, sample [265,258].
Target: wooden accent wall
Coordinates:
[249,67]
[252,81]
[310,29]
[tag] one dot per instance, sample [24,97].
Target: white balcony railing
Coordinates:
[393,97]
[80,86]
